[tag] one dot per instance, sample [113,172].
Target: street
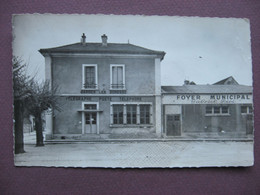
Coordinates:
[139,154]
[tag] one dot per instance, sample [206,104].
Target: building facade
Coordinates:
[107,90]
[113,91]
[221,110]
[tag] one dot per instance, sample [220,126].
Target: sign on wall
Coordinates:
[104,98]
[208,99]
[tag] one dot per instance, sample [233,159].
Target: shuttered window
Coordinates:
[117,77]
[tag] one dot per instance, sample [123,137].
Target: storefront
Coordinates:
[207,111]
[110,116]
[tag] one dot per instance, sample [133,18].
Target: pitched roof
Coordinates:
[212,89]
[227,81]
[111,48]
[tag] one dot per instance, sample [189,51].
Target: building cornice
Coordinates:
[100,55]
[108,95]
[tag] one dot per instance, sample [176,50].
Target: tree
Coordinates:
[33,97]
[41,99]
[20,94]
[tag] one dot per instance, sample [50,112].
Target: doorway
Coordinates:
[249,124]
[173,125]
[90,118]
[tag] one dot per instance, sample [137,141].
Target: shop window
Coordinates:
[225,110]
[131,114]
[208,109]
[117,74]
[217,110]
[144,114]
[118,114]
[246,110]
[89,78]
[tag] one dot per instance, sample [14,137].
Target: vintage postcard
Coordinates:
[132,91]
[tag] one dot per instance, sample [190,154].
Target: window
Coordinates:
[246,110]
[89,80]
[144,114]
[224,109]
[117,114]
[217,110]
[208,109]
[131,114]
[117,74]
[177,118]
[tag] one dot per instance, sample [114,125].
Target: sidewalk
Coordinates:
[29,138]
[139,154]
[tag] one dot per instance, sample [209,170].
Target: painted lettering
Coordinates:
[130,99]
[212,97]
[78,98]
[105,99]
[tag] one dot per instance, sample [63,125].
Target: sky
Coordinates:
[203,50]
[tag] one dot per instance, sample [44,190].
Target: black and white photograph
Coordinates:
[132,91]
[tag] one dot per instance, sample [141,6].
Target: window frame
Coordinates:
[118,115]
[213,111]
[145,113]
[247,109]
[138,115]
[111,76]
[84,76]
[131,114]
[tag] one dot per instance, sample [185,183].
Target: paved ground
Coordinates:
[138,154]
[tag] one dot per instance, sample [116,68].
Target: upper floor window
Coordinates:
[117,76]
[89,76]
[217,110]
[246,110]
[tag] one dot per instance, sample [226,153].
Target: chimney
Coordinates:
[83,39]
[104,40]
[186,82]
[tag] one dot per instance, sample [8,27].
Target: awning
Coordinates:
[90,111]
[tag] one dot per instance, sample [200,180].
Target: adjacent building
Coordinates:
[113,91]
[221,110]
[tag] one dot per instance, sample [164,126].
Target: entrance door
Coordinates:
[249,124]
[90,118]
[173,125]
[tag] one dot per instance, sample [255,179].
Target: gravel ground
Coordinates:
[139,154]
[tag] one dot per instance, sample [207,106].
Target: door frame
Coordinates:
[166,116]
[166,112]
[83,116]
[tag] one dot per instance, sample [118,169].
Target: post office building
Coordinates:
[106,90]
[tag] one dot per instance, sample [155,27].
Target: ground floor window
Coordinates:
[217,110]
[118,114]
[131,114]
[246,110]
[144,114]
